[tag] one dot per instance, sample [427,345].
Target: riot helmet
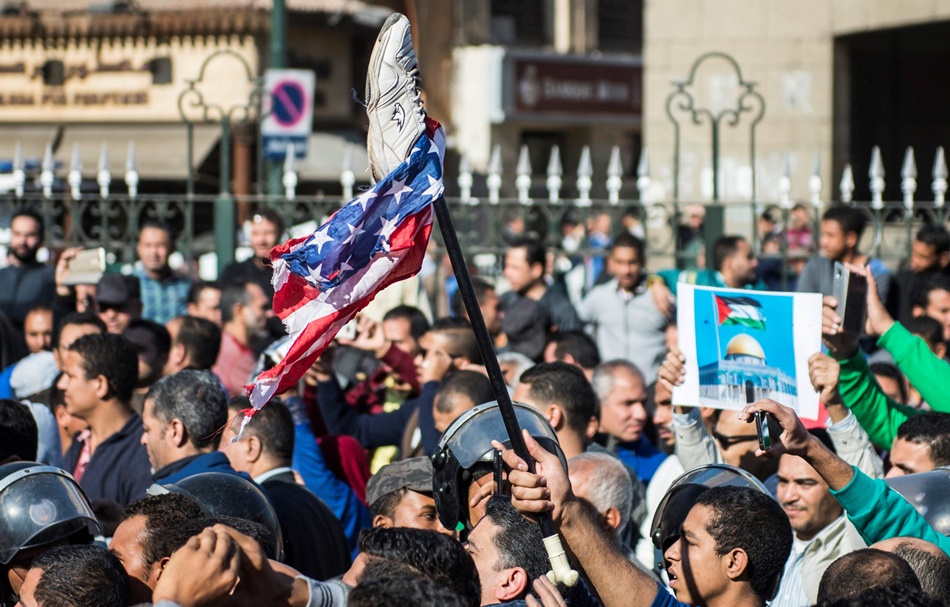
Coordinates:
[40,505]
[927,492]
[466,444]
[222,494]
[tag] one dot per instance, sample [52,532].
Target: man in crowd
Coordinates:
[603,482]
[929,255]
[562,394]
[734,267]
[183,416]
[932,298]
[267,228]
[99,375]
[575,348]
[265,452]
[525,271]
[153,343]
[244,312]
[400,495]
[623,314]
[195,343]
[922,444]
[204,301]
[25,282]
[620,388]
[37,331]
[76,576]
[164,293]
[118,301]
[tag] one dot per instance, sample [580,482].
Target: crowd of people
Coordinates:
[130,475]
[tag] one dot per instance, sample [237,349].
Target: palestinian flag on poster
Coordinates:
[743,311]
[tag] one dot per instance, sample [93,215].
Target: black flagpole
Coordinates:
[561,571]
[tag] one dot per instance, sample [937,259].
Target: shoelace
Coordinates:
[416,91]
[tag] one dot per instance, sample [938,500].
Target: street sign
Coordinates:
[289,107]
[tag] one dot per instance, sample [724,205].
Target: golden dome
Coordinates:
[743,345]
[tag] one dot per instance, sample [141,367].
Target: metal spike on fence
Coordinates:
[47,176]
[290,172]
[814,182]
[909,180]
[614,173]
[103,176]
[132,171]
[494,175]
[785,183]
[940,178]
[347,176]
[19,172]
[876,173]
[847,184]
[465,179]
[585,172]
[75,173]
[555,170]
[523,179]
[643,176]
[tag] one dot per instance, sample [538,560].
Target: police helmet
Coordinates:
[927,492]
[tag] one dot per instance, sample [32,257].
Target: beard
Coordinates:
[24,254]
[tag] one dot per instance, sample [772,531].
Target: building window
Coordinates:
[620,26]
[518,22]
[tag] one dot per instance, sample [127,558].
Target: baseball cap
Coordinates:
[414,474]
[117,289]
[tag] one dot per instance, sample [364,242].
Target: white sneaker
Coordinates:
[393,98]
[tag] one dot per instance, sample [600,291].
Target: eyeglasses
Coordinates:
[730,441]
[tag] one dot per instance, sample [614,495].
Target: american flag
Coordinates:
[323,280]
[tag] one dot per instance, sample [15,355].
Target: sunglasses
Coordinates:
[729,441]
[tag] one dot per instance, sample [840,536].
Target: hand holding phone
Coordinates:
[86,267]
[851,291]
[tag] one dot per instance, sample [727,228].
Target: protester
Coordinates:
[76,576]
[733,266]
[525,271]
[204,301]
[244,312]
[25,282]
[195,344]
[118,301]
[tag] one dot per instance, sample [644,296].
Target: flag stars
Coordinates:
[355,230]
[320,238]
[434,189]
[388,227]
[399,189]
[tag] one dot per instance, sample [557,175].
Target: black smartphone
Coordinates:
[767,428]
[851,291]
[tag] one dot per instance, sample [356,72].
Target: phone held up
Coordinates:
[767,427]
[851,291]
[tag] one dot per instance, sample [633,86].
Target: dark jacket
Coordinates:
[195,464]
[22,287]
[119,469]
[314,543]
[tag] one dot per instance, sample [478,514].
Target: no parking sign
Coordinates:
[290,112]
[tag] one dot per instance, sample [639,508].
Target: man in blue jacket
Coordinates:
[183,417]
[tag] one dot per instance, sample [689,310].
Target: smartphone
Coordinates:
[851,291]
[766,426]
[86,268]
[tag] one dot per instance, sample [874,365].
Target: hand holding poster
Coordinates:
[733,336]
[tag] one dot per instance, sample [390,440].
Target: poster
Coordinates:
[732,337]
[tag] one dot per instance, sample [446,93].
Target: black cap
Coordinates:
[116,289]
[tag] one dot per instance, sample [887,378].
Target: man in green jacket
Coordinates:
[877,511]
[879,415]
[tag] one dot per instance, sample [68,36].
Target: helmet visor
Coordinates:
[469,438]
[41,507]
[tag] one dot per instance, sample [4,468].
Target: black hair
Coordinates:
[418,324]
[579,345]
[724,248]
[878,596]
[891,371]
[461,337]
[931,566]
[935,236]
[850,219]
[430,554]
[519,541]
[629,241]
[81,576]
[273,217]
[767,543]
[158,224]
[927,328]
[158,333]
[232,294]
[397,586]
[857,572]
[113,357]
[934,282]
[931,429]
[179,536]
[386,505]
[18,432]
[566,385]
[196,399]
[202,341]
[482,288]
[76,318]
[35,216]
[273,425]
[163,513]
[194,291]
[470,384]
[534,250]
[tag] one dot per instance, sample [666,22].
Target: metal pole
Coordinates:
[495,376]
[224,204]
[190,127]
[278,59]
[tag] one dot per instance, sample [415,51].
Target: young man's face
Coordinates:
[663,416]
[38,330]
[81,393]
[24,239]
[923,257]
[128,546]
[153,248]
[518,272]
[481,546]
[399,332]
[938,308]
[697,572]
[834,241]
[909,458]
[264,237]
[208,305]
[744,264]
[805,497]
[417,511]
[625,264]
